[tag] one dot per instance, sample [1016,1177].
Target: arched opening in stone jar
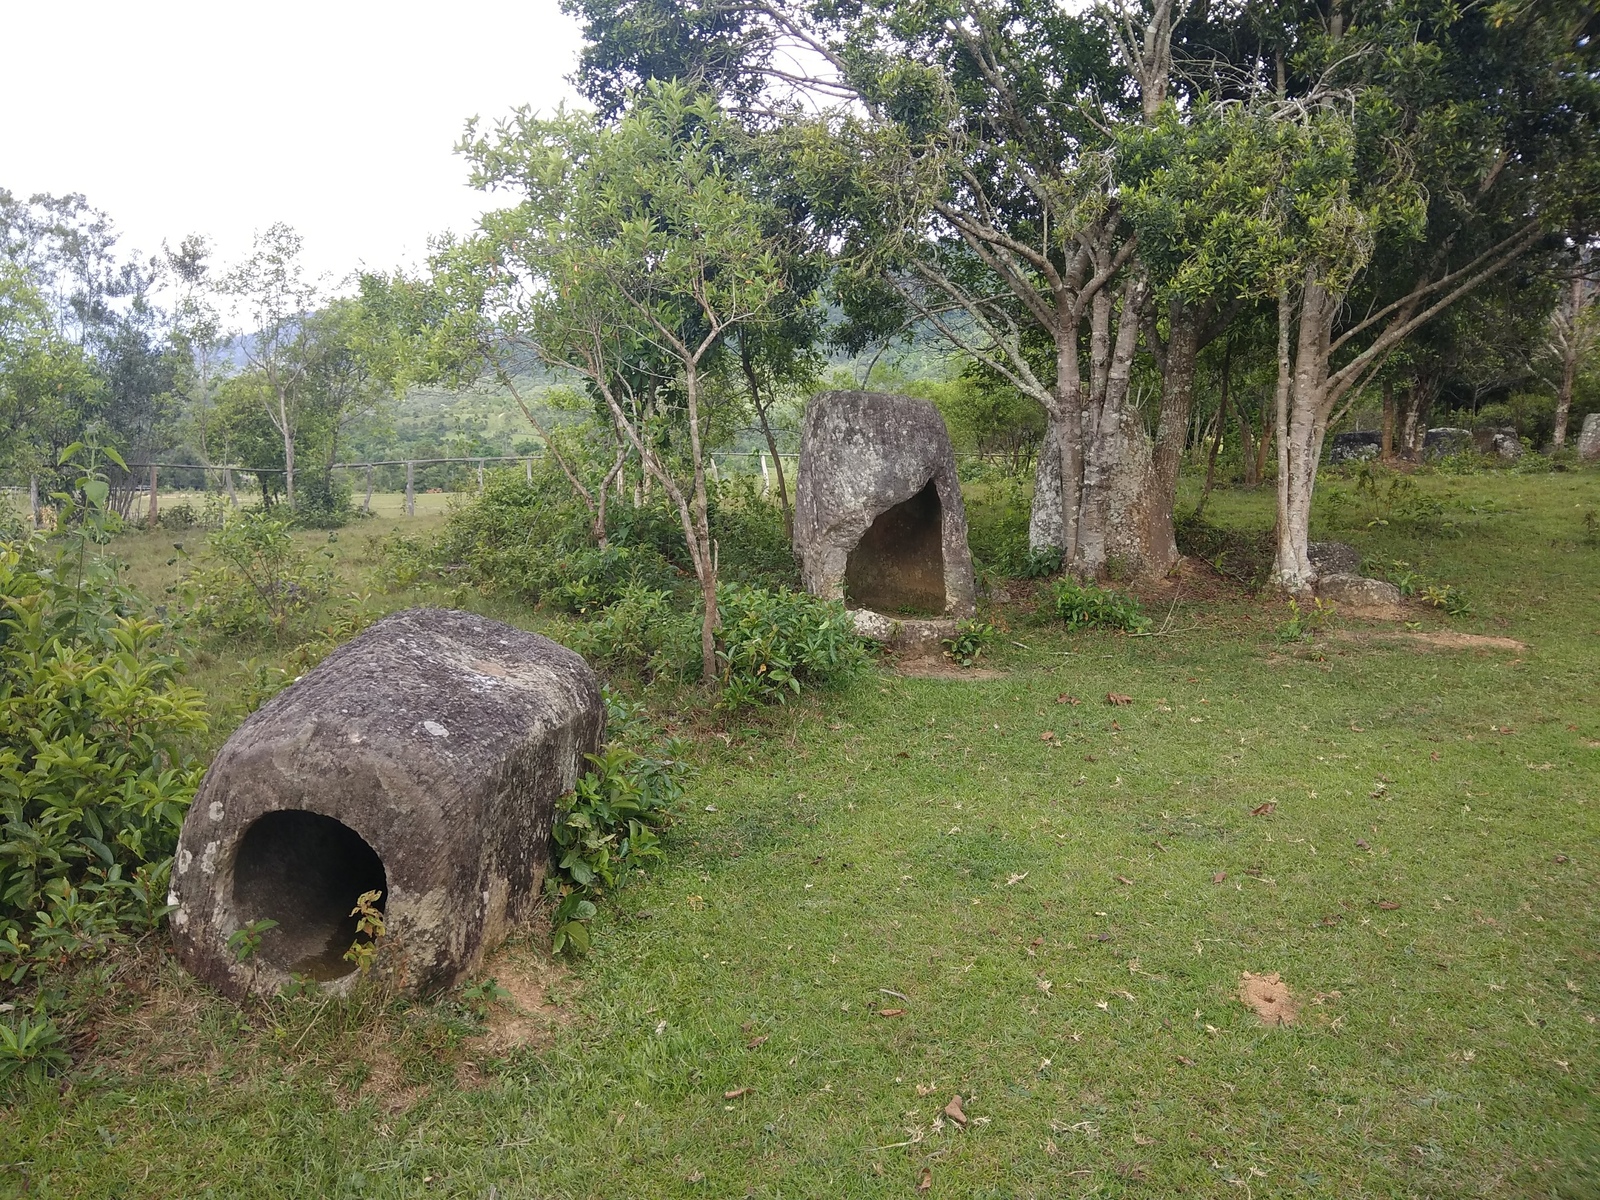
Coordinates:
[897,567]
[305,871]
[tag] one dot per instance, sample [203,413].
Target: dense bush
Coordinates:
[772,644]
[1087,606]
[94,778]
[640,633]
[255,579]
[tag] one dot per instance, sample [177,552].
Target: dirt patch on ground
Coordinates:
[535,1004]
[942,668]
[1269,998]
[1443,639]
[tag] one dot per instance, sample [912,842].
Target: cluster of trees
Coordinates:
[1340,195]
[134,353]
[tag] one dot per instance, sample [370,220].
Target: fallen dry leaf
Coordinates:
[736,1093]
[1049,735]
[1066,699]
[1263,810]
[1124,880]
[953,1111]
[924,1180]
[1388,905]
[1116,727]
[891,1012]
[757,1041]
[1269,997]
[1560,858]
[1361,845]
[1118,699]
[1220,877]
[1185,1062]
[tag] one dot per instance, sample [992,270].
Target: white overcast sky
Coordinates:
[336,116]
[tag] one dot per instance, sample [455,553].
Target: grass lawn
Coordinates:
[919,888]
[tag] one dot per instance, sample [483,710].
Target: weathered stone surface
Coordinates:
[1503,443]
[1446,440]
[1589,439]
[878,512]
[422,759]
[1334,558]
[904,635]
[1360,446]
[1370,596]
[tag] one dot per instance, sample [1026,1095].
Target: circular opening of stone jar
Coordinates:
[305,871]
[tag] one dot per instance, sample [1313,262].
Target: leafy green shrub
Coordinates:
[611,822]
[93,778]
[772,644]
[1087,605]
[970,640]
[255,579]
[1305,623]
[590,578]
[30,1049]
[640,633]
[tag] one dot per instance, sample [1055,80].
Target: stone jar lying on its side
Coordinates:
[423,761]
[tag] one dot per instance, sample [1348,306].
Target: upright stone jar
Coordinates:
[423,760]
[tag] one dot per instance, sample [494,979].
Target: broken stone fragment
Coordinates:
[422,760]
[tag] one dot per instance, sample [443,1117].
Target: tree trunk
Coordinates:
[1179,364]
[288,452]
[1570,345]
[1293,565]
[1386,450]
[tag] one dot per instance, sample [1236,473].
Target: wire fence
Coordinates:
[144,478]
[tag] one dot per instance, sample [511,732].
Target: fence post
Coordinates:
[227,482]
[480,476]
[411,491]
[766,479]
[155,499]
[366,505]
[33,500]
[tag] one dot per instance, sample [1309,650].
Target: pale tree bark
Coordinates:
[1310,386]
[1574,331]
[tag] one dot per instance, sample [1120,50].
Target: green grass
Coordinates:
[1426,884]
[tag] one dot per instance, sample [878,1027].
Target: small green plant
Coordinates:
[480,997]
[1089,606]
[370,929]
[1042,562]
[30,1049]
[1404,577]
[1448,597]
[245,941]
[970,640]
[1304,623]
